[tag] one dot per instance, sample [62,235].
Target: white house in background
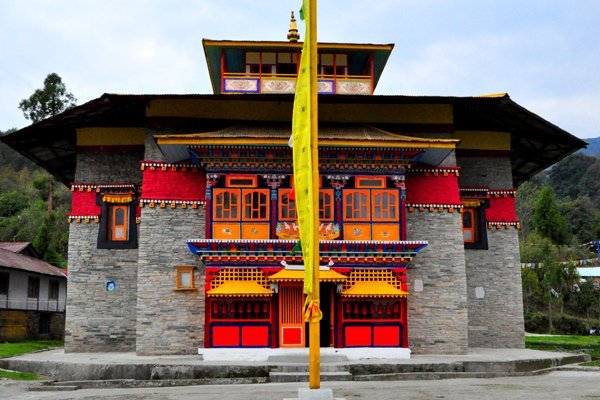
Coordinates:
[32,295]
[590,273]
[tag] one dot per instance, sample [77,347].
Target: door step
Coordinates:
[282,377]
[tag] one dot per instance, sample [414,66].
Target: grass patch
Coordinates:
[586,344]
[28,346]
[591,363]
[16,375]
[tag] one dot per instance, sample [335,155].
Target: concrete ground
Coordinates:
[57,365]
[564,385]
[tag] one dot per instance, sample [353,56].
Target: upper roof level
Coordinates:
[272,66]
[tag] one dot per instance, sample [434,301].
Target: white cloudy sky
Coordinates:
[544,53]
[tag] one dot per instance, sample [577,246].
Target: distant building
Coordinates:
[183,222]
[590,274]
[32,295]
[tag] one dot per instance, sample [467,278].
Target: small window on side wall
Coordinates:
[474,228]
[184,277]
[117,223]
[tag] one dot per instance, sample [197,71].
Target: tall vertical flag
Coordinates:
[305,157]
[306,181]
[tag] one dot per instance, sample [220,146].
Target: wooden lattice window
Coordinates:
[4,281]
[53,290]
[33,288]
[365,182]
[469,225]
[119,222]
[241,181]
[287,206]
[326,205]
[371,275]
[356,205]
[226,204]
[256,204]
[184,277]
[240,274]
[249,309]
[385,205]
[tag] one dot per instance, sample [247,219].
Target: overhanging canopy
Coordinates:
[239,289]
[373,289]
[286,275]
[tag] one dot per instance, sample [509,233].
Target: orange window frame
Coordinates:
[326,205]
[184,269]
[250,206]
[119,231]
[472,229]
[388,209]
[287,207]
[378,182]
[252,179]
[226,204]
[351,209]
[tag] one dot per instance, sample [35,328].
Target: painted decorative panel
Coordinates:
[326,86]
[241,85]
[281,85]
[353,87]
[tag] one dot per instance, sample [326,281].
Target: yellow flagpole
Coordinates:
[306,179]
[314,372]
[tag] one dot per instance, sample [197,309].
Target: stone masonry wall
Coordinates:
[492,172]
[494,275]
[169,321]
[98,320]
[494,292]
[437,300]
[118,167]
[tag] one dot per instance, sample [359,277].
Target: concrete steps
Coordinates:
[294,368]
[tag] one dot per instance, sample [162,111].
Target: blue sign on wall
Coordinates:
[111,286]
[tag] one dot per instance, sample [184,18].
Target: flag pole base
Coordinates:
[316,394]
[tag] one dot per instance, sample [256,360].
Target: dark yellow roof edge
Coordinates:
[274,43]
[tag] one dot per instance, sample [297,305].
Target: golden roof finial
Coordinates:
[293,35]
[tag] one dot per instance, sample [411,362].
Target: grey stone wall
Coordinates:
[98,320]
[169,321]
[493,275]
[437,315]
[152,151]
[117,167]
[492,172]
[494,292]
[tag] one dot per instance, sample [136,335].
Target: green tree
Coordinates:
[51,100]
[548,220]
[587,297]
[553,279]
[531,287]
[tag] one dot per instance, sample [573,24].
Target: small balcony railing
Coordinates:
[280,83]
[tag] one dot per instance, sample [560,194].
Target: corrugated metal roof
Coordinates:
[536,143]
[8,259]
[326,131]
[15,247]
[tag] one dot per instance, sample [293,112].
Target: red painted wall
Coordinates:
[173,185]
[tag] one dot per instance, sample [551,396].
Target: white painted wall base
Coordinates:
[262,354]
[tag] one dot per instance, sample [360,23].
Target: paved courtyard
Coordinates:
[562,385]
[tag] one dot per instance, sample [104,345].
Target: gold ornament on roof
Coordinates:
[293,35]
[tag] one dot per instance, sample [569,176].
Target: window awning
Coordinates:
[119,198]
[289,275]
[239,289]
[373,289]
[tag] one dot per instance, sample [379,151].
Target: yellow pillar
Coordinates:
[314,327]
